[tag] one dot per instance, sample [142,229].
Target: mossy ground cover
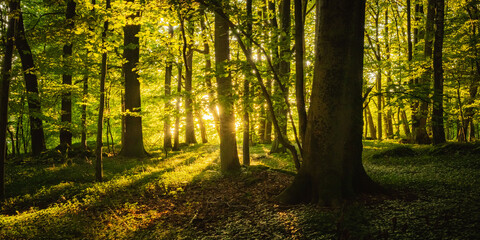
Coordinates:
[183,196]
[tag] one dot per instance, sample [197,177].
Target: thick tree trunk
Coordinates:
[133,145]
[437,116]
[229,161]
[299,68]
[167,135]
[4,92]
[332,169]
[420,109]
[66,114]
[31,84]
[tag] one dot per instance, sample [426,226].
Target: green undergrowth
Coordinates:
[434,193]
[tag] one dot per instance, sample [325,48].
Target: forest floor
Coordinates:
[435,195]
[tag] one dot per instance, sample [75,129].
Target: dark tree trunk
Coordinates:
[31,84]
[176,131]
[66,114]
[167,135]
[371,124]
[284,72]
[189,121]
[103,76]
[246,93]
[437,116]
[4,92]
[379,74]
[332,169]
[389,115]
[299,68]
[229,161]
[420,108]
[133,145]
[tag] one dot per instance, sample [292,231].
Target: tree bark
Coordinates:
[66,114]
[188,56]
[133,145]
[437,115]
[103,76]
[299,68]
[176,132]
[31,84]
[4,91]
[167,135]
[332,169]
[229,161]
[246,92]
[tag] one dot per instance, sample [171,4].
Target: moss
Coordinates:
[398,151]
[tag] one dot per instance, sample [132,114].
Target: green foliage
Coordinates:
[397,151]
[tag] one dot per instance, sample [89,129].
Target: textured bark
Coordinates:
[4,92]
[299,68]
[437,116]
[133,145]
[66,114]
[31,84]
[229,161]
[167,135]
[332,169]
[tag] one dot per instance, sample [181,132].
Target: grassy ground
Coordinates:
[435,195]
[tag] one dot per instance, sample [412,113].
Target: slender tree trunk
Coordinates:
[66,114]
[31,84]
[189,121]
[379,75]
[229,161]
[201,124]
[167,135]
[299,68]
[83,141]
[373,130]
[389,115]
[103,76]
[332,169]
[133,145]
[246,92]
[4,92]
[437,116]
[176,132]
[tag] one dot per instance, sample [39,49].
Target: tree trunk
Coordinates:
[299,68]
[371,125]
[246,92]
[437,115]
[176,132]
[66,114]
[188,56]
[103,76]
[31,84]
[389,115]
[332,169]
[167,135]
[133,145]
[201,124]
[4,92]
[229,161]
[378,75]
[406,127]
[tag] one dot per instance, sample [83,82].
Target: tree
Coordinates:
[299,67]
[4,92]
[103,76]
[133,144]
[332,169]
[66,114]
[437,115]
[229,161]
[31,83]
[167,135]
[246,93]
